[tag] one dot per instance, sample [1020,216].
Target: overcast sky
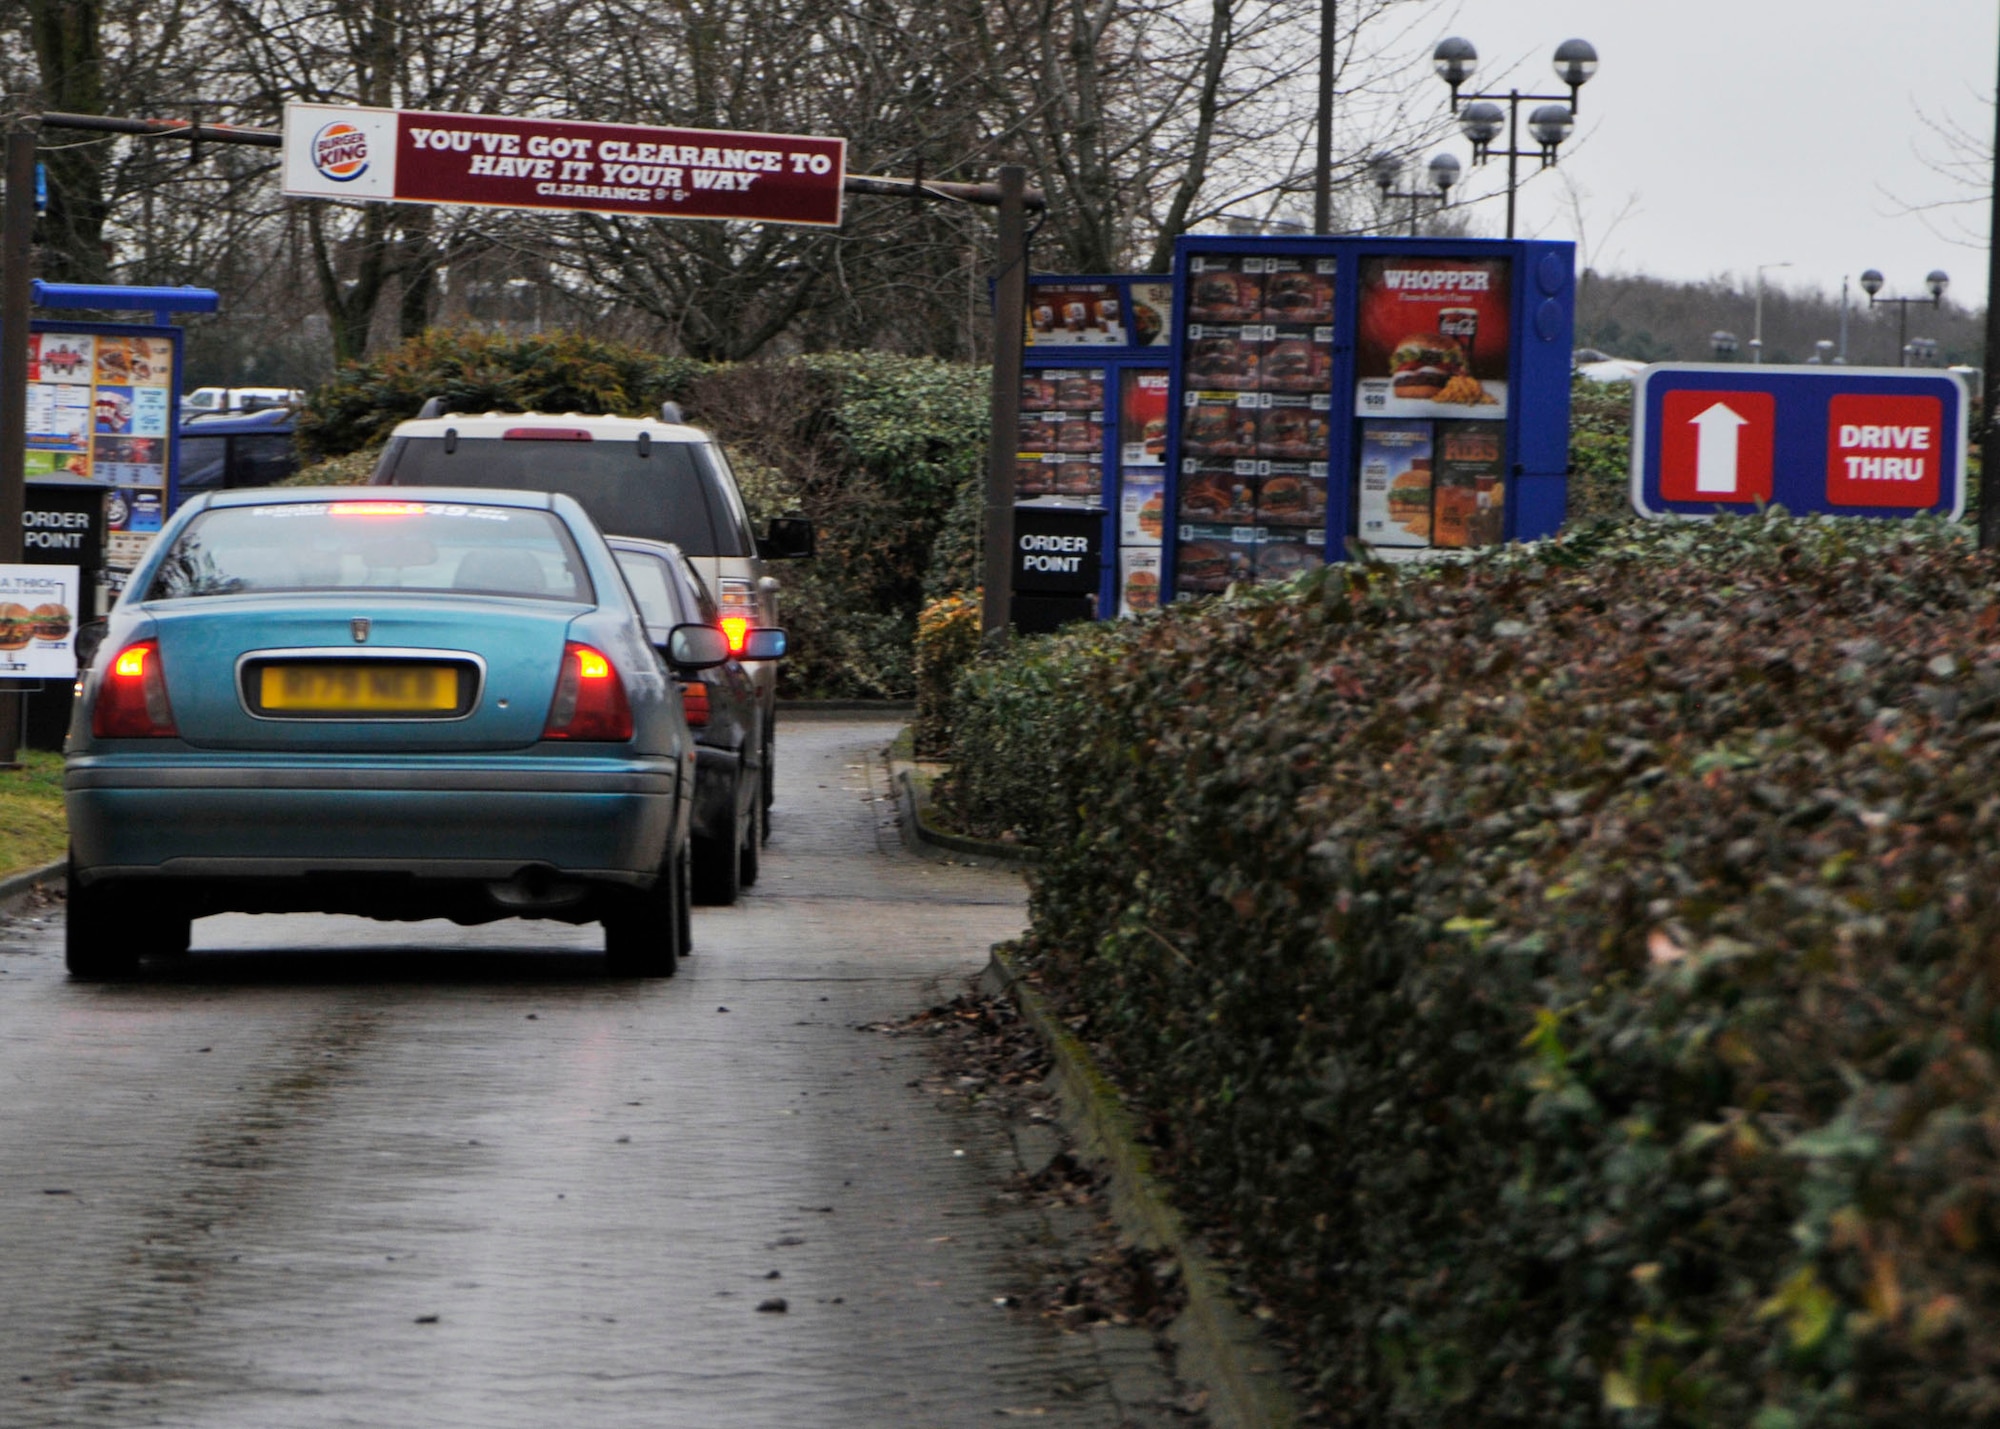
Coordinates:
[1747,132]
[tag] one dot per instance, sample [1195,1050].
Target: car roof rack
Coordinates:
[671,412]
[434,407]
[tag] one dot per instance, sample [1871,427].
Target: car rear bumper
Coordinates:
[206,817]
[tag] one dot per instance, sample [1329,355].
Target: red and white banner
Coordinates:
[411,156]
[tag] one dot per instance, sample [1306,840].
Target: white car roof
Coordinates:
[497,424]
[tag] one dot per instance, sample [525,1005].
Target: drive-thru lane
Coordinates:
[332,1172]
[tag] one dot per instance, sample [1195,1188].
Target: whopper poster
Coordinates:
[1432,337]
[38,607]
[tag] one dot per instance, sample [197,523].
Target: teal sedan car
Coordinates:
[443,704]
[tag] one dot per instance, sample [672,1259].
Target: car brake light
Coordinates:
[590,699]
[545,434]
[376,508]
[738,631]
[694,700]
[132,701]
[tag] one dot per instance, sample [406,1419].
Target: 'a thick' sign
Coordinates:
[413,156]
[1853,441]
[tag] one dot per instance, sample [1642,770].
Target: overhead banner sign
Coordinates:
[413,156]
[1849,441]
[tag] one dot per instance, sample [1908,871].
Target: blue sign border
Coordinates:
[1798,445]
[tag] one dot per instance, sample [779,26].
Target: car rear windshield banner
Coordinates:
[1433,338]
[413,156]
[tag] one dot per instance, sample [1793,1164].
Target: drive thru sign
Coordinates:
[1852,441]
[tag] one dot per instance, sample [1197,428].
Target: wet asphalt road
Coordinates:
[337,1172]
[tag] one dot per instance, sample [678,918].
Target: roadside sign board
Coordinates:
[1845,441]
[38,620]
[415,156]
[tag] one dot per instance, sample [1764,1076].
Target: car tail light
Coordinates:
[738,630]
[590,699]
[694,700]
[132,701]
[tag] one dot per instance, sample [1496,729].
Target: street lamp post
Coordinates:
[1444,172]
[1937,280]
[1550,124]
[1757,332]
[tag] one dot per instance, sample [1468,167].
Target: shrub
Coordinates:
[948,632]
[1600,451]
[1568,979]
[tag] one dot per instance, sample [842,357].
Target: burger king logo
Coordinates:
[340,151]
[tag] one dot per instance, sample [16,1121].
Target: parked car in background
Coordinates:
[723,711]
[224,450]
[444,704]
[238,399]
[654,478]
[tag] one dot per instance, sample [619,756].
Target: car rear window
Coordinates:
[652,586]
[674,491]
[374,545]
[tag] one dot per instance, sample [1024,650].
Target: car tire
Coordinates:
[718,858]
[750,856]
[99,941]
[684,902]
[645,932]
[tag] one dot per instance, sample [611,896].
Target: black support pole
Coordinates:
[17,233]
[1989,429]
[1323,168]
[1010,319]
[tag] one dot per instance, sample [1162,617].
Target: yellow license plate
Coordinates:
[360,688]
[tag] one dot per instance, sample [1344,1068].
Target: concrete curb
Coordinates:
[15,887]
[1218,1347]
[919,836]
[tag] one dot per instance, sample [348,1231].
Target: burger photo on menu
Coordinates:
[1290,496]
[1224,358]
[1281,560]
[1078,391]
[1218,424]
[1080,432]
[1295,293]
[1219,292]
[1432,337]
[51,621]
[1297,359]
[1078,478]
[1139,580]
[1142,507]
[17,626]
[1032,476]
[1292,429]
[1037,393]
[1470,463]
[1210,561]
[1218,493]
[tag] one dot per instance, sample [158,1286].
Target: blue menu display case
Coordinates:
[1409,394]
[1095,419]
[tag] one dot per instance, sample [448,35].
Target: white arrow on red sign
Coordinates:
[1715,450]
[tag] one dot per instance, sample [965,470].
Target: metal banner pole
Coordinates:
[1010,319]
[1989,429]
[17,225]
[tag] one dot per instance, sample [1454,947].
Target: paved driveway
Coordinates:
[335,1172]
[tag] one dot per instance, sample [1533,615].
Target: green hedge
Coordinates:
[883,452]
[1571,981]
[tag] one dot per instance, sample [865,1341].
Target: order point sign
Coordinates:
[415,156]
[1855,441]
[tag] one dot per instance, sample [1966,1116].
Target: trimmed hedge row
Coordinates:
[1571,979]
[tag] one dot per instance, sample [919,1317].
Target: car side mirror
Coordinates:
[696,647]
[765,644]
[788,538]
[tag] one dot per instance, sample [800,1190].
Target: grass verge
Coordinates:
[33,830]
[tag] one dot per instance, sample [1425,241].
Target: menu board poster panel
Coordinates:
[38,620]
[1151,308]
[1209,557]
[1470,504]
[1065,313]
[1142,507]
[1432,337]
[1142,416]
[1138,579]
[1395,487]
[99,406]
